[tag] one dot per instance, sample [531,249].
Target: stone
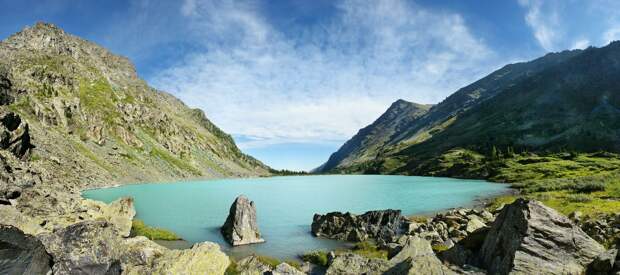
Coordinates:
[381,225]
[22,253]
[85,248]
[473,225]
[241,227]
[252,265]
[353,264]
[416,257]
[528,237]
[202,258]
[11,216]
[286,269]
[603,263]
[121,213]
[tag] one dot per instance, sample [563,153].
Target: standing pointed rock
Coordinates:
[240,227]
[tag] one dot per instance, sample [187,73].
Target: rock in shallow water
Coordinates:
[241,227]
[380,225]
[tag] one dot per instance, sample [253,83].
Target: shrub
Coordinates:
[315,257]
[589,186]
[578,198]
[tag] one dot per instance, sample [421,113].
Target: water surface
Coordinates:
[285,205]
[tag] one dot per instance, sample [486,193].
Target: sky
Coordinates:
[293,80]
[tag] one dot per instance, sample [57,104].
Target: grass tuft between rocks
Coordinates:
[139,228]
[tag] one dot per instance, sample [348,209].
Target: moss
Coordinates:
[139,228]
[440,247]
[232,268]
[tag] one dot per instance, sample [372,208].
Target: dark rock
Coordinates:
[22,253]
[14,135]
[603,263]
[241,227]
[528,237]
[382,225]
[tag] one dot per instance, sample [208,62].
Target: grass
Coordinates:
[139,228]
[316,257]
[367,249]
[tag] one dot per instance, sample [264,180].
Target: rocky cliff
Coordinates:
[75,116]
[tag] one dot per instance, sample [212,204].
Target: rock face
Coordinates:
[241,227]
[21,253]
[14,135]
[528,237]
[382,225]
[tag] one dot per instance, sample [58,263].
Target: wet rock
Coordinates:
[382,225]
[22,253]
[241,227]
[528,237]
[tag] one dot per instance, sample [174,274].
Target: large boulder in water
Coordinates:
[21,253]
[241,227]
[380,225]
[528,238]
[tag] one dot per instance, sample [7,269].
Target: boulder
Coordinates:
[286,269]
[252,265]
[416,257]
[240,227]
[382,225]
[85,248]
[121,213]
[22,253]
[350,263]
[11,216]
[202,258]
[528,237]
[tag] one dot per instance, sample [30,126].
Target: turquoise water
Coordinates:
[285,205]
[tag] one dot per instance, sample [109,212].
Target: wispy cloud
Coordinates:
[329,80]
[544,24]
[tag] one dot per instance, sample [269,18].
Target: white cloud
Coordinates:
[544,23]
[328,81]
[581,44]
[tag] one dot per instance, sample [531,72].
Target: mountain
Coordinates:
[567,101]
[73,113]
[365,145]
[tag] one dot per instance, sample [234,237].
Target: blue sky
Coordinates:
[292,80]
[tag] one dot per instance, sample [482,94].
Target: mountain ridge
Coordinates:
[479,108]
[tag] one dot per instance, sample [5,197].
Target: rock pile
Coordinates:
[241,227]
[452,226]
[381,225]
[604,229]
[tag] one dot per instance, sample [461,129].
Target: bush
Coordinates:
[578,198]
[138,228]
[315,257]
[589,186]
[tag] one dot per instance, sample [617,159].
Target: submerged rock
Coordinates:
[382,225]
[22,253]
[528,237]
[241,227]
